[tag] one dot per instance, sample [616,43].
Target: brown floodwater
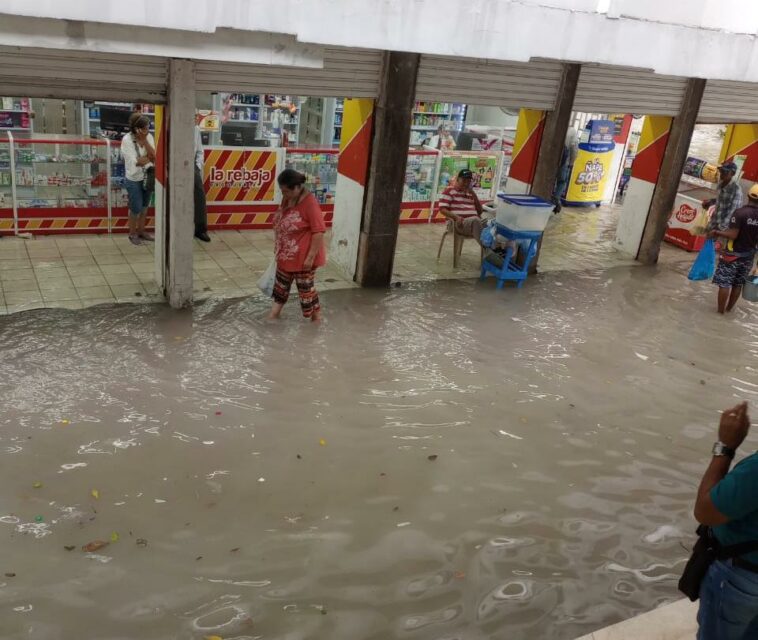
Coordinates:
[440,461]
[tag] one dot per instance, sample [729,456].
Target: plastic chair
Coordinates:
[457,245]
[458,242]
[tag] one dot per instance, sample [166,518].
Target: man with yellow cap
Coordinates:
[739,243]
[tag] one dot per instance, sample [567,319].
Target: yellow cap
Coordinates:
[753,193]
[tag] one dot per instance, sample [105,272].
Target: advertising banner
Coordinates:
[239,175]
[484,168]
[589,177]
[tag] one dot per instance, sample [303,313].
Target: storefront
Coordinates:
[56,183]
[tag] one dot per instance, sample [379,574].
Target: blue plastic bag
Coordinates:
[705,263]
[487,237]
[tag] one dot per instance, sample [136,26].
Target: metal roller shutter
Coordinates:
[351,73]
[532,85]
[607,89]
[725,101]
[53,73]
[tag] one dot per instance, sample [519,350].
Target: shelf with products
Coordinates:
[15,114]
[420,172]
[429,116]
[320,169]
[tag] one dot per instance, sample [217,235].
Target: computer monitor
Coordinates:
[465,141]
[115,120]
[238,134]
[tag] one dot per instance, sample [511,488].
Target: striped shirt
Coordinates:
[459,202]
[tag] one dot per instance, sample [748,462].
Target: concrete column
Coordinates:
[181,157]
[389,154]
[554,133]
[352,177]
[671,171]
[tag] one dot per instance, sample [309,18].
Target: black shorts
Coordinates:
[732,274]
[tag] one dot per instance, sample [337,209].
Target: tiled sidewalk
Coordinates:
[73,271]
[78,271]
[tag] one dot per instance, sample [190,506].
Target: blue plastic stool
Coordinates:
[510,270]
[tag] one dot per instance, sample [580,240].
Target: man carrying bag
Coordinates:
[723,569]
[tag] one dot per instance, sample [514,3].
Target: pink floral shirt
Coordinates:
[293,229]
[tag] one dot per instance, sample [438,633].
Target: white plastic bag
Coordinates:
[266,281]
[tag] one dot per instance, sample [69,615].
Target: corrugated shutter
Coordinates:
[53,73]
[725,101]
[532,85]
[350,73]
[607,89]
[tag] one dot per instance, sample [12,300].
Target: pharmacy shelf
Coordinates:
[15,129]
[14,110]
[243,104]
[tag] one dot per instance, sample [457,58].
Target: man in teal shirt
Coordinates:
[728,503]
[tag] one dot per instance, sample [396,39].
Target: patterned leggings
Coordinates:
[306,289]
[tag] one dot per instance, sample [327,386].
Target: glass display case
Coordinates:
[60,172]
[55,173]
[419,176]
[6,189]
[320,169]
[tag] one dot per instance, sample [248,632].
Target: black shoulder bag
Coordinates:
[705,552]
[148,182]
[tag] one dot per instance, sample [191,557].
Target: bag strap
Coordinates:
[739,549]
[728,551]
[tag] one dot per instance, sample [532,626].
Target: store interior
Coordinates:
[62,196]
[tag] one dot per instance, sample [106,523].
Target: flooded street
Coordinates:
[442,461]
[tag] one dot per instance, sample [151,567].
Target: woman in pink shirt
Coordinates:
[298,245]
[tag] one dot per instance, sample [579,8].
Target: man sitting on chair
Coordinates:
[460,205]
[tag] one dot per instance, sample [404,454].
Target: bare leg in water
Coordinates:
[733,297]
[723,298]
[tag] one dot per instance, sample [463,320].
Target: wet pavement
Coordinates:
[441,461]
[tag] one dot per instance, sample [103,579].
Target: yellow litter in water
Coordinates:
[322,442]
[213,638]
[114,537]
[95,494]
[64,421]
[37,485]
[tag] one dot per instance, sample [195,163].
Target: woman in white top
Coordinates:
[138,151]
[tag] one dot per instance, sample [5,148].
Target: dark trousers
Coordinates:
[201,212]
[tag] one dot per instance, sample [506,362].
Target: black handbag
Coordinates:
[705,552]
[148,183]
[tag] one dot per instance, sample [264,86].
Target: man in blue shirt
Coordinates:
[728,502]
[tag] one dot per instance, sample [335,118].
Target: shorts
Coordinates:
[468,227]
[139,197]
[732,274]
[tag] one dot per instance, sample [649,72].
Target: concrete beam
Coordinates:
[181,158]
[671,171]
[554,134]
[389,154]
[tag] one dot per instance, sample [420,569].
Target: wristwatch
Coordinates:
[720,449]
